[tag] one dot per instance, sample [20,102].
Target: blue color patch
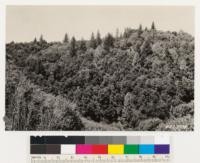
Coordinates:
[146,149]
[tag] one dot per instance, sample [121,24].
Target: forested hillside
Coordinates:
[142,79]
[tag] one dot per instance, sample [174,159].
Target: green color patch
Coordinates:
[131,149]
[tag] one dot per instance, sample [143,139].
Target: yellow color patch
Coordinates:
[115,149]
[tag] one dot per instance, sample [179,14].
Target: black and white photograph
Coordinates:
[99,68]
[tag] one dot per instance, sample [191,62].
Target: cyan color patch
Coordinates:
[146,149]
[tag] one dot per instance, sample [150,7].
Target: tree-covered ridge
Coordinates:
[142,79]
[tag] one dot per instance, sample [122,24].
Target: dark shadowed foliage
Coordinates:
[140,80]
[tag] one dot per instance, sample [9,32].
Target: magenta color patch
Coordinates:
[83,149]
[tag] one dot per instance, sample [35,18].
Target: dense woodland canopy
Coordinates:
[141,79]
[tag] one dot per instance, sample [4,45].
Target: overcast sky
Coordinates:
[23,23]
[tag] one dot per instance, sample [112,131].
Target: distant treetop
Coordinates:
[35,40]
[66,39]
[93,43]
[153,26]
[42,39]
[98,39]
[73,47]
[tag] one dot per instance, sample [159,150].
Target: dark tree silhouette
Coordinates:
[153,26]
[98,38]
[93,42]
[82,45]
[42,39]
[73,46]
[108,41]
[66,38]
[140,30]
[35,40]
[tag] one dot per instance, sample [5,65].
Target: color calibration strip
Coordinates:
[103,145]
